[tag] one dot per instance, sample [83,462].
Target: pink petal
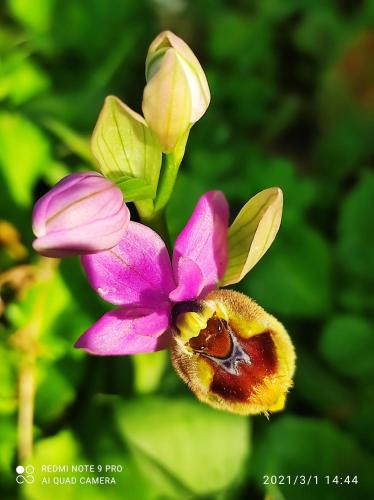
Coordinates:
[121,332]
[190,279]
[92,237]
[58,207]
[204,241]
[135,272]
[41,208]
[83,213]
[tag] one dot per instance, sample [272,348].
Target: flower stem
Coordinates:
[26,391]
[170,170]
[25,341]
[152,213]
[154,219]
[167,181]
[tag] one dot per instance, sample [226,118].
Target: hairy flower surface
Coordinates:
[83,213]
[231,353]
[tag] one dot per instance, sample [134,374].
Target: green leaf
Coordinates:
[35,308]
[361,420]
[24,154]
[187,448]
[252,233]
[296,446]
[56,378]
[56,324]
[33,14]
[210,164]
[65,449]
[273,493]
[21,79]
[320,389]
[59,449]
[319,32]
[126,150]
[294,278]
[345,146]
[74,141]
[357,297]
[8,392]
[244,32]
[7,449]
[223,169]
[148,369]
[347,343]
[356,231]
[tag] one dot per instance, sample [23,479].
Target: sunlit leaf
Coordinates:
[24,154]
[148,370]
[252,233]
[61,448]
[60,378]
[186,446]
[55,324]
[34,310]
[65,448]
[33,14]
[8,394]
[21,79]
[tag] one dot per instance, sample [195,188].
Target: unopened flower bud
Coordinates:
[84,213]
[177,92]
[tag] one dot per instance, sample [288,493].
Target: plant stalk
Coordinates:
[26,394]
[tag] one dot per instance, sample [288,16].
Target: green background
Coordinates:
[292,106]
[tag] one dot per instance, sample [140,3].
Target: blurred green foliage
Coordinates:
[292,105]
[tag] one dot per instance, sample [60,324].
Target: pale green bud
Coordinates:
[177,92]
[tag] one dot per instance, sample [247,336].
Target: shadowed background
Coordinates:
[292,106]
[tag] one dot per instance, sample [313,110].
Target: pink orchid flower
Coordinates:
[232,353]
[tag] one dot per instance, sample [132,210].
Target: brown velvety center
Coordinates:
[214,340]
[239,387]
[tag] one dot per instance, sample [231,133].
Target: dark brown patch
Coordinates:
[238,388]
[214,340]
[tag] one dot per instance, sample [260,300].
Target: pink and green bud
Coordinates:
[177,93]
[83,214]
